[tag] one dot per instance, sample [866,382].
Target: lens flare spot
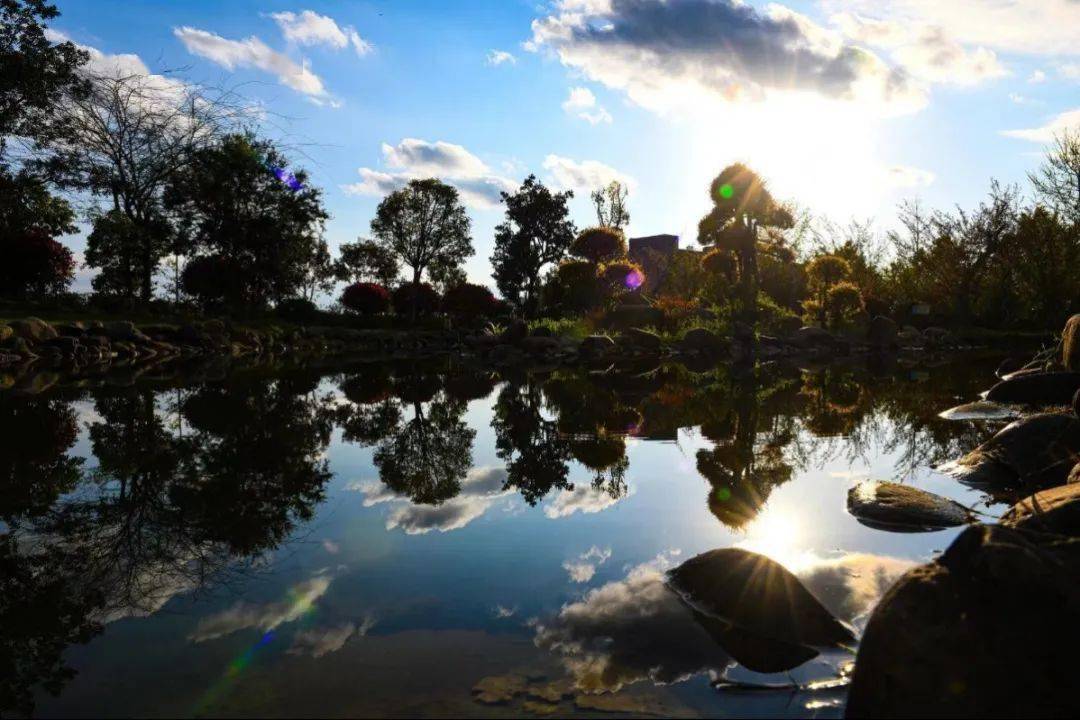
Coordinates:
[727,191]
[634,279]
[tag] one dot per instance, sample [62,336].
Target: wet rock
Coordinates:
[988,630]
[596,346]
[123,330]
[979,410]
[882,332]
[1036,388]
[75,330]
[18,346]
[539,345]
[32,329]
[902,508]
[1035,452]
[1007,366]
[810,336]
[642,339]
[758,596]
[1056,510]
[702,341]
[1070,344]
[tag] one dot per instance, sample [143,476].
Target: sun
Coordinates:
[777,534]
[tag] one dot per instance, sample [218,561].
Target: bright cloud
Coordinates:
[586,175]
[582,568]
[903,176]
[251,53]
[1068,120]
[1036,77]
[669,56]
[498,57]
[311,28]
[479,185]
[583,498]
[241,616]
[582,102]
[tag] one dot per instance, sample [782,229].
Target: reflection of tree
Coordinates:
[536,456]
[34,466]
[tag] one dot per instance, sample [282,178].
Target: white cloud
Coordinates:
[479,185]
[582,102]
[583,498]
[311,28]
[1036,77]
[504,612]
[253,53]
[265,616]
[1070,119]
[498,57]
[331,547]
[582,568]
[587,175]
[670,56]
[1069,71]
[903,176]
[321,641]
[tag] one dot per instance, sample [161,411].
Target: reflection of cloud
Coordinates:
[504,612]
[583,498]
[850,586]
[413,158]
[480,489]
[266,616]
[331,547]
[630,630]
[320,641]
[583,568]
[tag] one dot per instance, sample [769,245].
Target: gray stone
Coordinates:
[902,508]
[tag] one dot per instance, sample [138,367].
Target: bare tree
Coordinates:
[1057,181]
[610,204]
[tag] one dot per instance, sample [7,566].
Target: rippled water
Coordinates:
[417,539]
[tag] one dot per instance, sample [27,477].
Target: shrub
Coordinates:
[843,302]
[296,309]
[622,276]
[421,296]
[599,244]
[719,262]
[365,298]
[210,279]
[576,286]
[470,300]
[35,264]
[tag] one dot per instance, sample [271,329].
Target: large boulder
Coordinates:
[123,331]
[32,329]
[910,337]
[882,333]
[643,339]
[514,333]
[988,630]
[1070,344]
[538,345]
[1036,388]
[702,341]
[810,336]
[1056,510]
[902,508]
[596,346]
[1034,452]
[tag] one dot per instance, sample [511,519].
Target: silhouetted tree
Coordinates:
[536,455]
[424,225]
[367,261]
[31,218]
[535,235]
[117,247]
[1057,181]
[366,298]
[610,202]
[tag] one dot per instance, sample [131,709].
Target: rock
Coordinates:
[1008,365]
[539,345]
[514,333]
[123,330]
[504,355]
[67,345]
[541,331]
[882,332]
[32,329]
[596,346]
[988,630]
[1038,388]
[902,508]
[1070,344]
[910,337]
[1035,452]
[940,338]
[742,332]
[757,595]
[1056,510]
[979,410]
[75,330]
[812,336]
[643,339]
[18,346]
[702,341]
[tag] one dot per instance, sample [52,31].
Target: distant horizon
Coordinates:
[844,106]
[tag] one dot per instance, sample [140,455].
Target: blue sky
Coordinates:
[846,106]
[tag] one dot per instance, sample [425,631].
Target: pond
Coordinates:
[428,539]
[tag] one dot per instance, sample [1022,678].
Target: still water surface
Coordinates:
[409,540]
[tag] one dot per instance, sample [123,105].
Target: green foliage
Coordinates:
[233,207]
[599,244]
[366,261]
[32,262]
[610,203]
[125,252]
[575,287]
[842,302]
[577,328]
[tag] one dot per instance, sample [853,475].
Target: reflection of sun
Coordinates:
[777,534]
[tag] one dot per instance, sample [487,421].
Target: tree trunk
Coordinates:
[415,297]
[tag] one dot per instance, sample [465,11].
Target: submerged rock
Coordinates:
[1036,388]
[1036,452]
[902,508]
[988,630]
[979,410]
[757,596]
[1056,510]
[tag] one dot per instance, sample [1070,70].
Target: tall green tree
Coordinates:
[116,245]
[1057,181]
[610,203]
[537,233]
[366,261]
[237,211]
[744,216]
[425,226]
[30,220]
[35,73]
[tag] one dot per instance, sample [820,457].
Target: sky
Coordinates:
[846,107]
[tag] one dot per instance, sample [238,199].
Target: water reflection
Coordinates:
[114,501]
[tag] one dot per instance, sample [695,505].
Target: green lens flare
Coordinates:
[723,494]
[726,191]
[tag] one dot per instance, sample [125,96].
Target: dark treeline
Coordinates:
[190,208]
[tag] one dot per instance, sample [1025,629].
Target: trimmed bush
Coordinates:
[599,244]
[576,286]
[470,300]
[622,276]
[296,309]
[719,262]
[35,264]
[365,298]
[422,297]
